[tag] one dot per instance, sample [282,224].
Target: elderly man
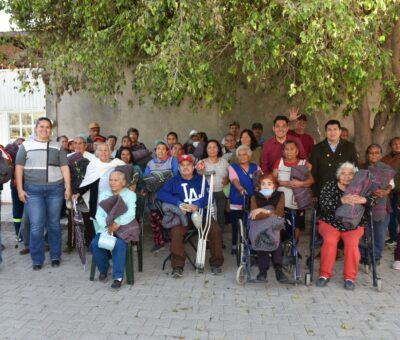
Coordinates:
[94,133]
[185,188]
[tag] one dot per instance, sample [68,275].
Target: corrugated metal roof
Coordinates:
[12,100]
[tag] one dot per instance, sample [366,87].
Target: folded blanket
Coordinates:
[173,216]
[303,196]
[265,234]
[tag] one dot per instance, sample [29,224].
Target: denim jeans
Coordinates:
[379,236]
[44,206]
[118,257]
[17,208]
[394,218]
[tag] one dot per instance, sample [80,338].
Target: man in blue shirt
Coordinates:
[184,191]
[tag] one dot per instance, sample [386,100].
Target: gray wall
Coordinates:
[74,112]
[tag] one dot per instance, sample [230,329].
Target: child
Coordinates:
[267,195]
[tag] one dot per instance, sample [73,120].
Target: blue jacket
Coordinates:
[178,190]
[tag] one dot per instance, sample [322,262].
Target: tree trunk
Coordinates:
[362,128]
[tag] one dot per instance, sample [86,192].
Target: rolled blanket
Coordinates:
[303,196]
[173,216]
[129,232]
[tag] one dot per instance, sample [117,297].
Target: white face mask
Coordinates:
[195,144]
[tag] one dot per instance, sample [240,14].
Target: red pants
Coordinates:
[352,256]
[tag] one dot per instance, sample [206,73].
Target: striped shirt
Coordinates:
[41,162]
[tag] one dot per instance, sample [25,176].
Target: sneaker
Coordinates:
[396,265]
[37,267]
[116,284]
[55,263]
[322,281]
[390,242]
[156,248]
[177,272]
[280,276]
[216,270]
[349,285]
[262,276]
[103,277]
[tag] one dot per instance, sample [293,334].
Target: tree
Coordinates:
[328,53]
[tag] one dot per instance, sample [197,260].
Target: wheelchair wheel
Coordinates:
[241,275]
[240,250]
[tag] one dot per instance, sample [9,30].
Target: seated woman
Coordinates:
[332,230]
[118,187]
[268,196]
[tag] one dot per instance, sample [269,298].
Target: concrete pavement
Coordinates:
[61,303]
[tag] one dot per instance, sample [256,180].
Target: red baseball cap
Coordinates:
[183,158]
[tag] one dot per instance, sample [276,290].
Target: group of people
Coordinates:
[279,177]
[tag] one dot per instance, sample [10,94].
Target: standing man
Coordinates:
[234,129]
[327,155]
[94,136]
[258,130]
[300,124]
[273,148]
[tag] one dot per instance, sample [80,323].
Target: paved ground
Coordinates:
[62,303]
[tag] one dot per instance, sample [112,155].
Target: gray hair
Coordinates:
[244,147]
[101,144]
[80,137]
[119,172]
[345,165]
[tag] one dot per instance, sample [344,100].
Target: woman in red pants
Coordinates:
[332,230]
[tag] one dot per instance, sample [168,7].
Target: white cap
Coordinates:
[193,132]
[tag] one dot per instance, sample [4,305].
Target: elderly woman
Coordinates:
[242,188]
[381,211]
[229,147]
[332,230]
[96,181]
[247,138]
[117,183]
[43,181]
[160,163]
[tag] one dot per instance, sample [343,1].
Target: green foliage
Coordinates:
[326,52]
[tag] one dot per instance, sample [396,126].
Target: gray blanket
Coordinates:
[173,216]
[265,234]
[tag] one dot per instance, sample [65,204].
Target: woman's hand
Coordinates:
[380,193]
[225,180]
[201,167]
[75,197]
[23,196]
[353,199]
[294,184]
[255,212]
[242,191]
[113,228]
[67,193]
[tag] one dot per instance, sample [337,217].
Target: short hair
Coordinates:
[177,143]
[393,140]
[257,126]
[332,122]
[119,172]
[203,136]
[235,123]
[98,146]
[290,142]
[344,129]
[172,133]
[280,117]
[125,137]
[205,155]
[134,130]
[269,176]
[243,147]
[41,119]
[112,136]
[80,137]
[253,143]
[62,136]
[345,165]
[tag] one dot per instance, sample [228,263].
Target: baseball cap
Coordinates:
[183,158]
[93,125]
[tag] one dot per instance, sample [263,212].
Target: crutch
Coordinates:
[310,275]
[204,230]
[376,281]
